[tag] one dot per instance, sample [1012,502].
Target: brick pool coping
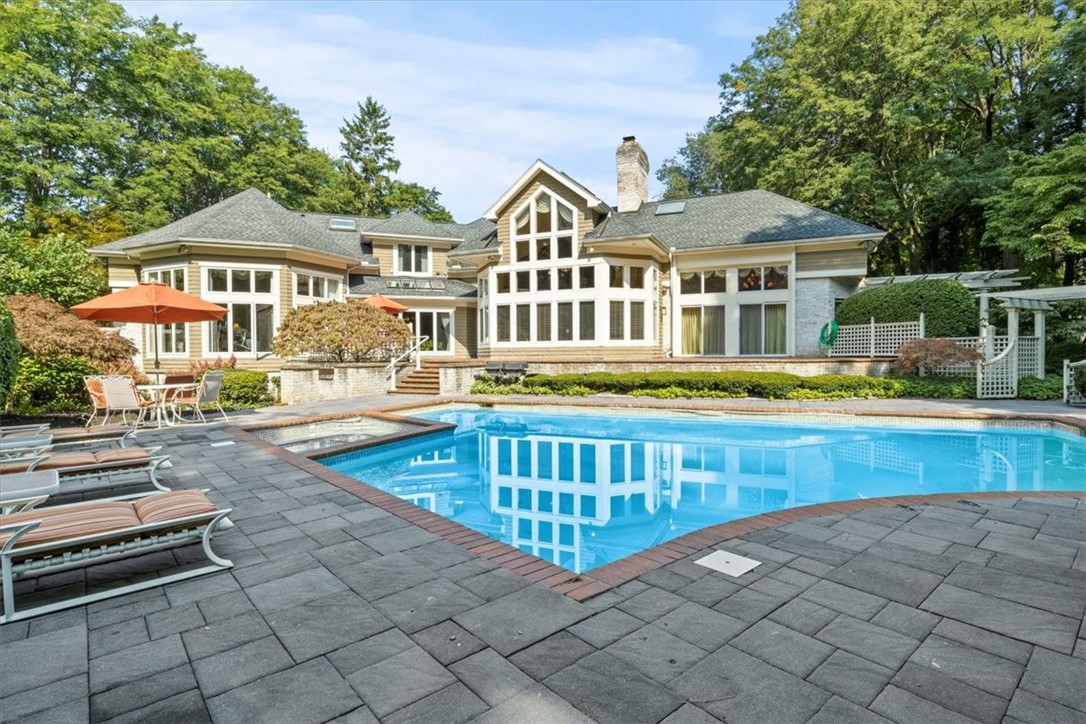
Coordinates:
[580,587]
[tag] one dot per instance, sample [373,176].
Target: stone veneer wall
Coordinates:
[301,382]
[457,379]
[814,307]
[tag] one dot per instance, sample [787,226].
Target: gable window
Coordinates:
[171,337]
[412,259]
[545,226]
[252,309]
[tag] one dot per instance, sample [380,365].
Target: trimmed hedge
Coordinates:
[1057,352]
[949,309]
[245,388]
[770,385]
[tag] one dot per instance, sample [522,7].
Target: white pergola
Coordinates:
[1038,301]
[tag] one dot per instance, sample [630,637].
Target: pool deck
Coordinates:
[338,610]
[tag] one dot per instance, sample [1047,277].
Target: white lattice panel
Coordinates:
[1071,395]
[1029,356]
[877,455]
[998,378]
[873,340]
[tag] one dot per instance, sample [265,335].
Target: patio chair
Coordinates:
[97,397]
[122,396]
[73,467]
[49,540]
[207,393]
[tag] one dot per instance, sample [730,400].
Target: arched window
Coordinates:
[543,230]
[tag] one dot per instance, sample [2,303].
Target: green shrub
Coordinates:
[1050,388]
[50,385]
[948,388]
[9,352]
[245,388]
[1057,352]
[949,309]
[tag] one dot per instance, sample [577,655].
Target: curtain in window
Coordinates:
[404,252]
[565,217]
[776,329]
[713,330]
[691,330]
[750,329]
[543,204]
[690,283]
[715,282]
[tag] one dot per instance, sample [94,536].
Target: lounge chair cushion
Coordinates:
[173,505]
[121,455]
[67,460]
[63,523]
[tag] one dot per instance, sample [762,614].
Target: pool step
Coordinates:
[426,381]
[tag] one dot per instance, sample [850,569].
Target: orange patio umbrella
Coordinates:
[382,302]
[149,303]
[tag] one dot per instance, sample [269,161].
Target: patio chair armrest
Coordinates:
[29,430]
[16,531]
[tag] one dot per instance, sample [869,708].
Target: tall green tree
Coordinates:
[902,115]
[1042,214]
[367,185]
[56,268]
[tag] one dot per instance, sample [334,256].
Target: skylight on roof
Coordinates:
[342,225]
[670,207]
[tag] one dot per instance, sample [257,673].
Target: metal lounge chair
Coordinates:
[97,398]
[123,434]
[122,396]
[81,465]
[49,540]
[207,393]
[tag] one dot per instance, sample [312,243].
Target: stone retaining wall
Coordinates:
[457,379]
[305,382]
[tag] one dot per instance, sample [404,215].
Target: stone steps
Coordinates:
[426,381]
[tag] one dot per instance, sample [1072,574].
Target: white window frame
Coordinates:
[452,329]
[411,272]
[303,299]
[229,298]
[159,329]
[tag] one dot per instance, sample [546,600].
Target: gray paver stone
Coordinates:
[426,604]
[914,623]
[1057,677]
[325,624]
[656,653]
[906,708]
[309,693]
[840,711]
[537,705]
[612,692]
[873,643]
[224,635]
[887,579]
[932,685]
[844,599]
[400,680]
[804,616]
[782,647]
[142,692]
[851,677]
[490,676]
[370,651]
[136,662]
[701,626]
[607,627]
[448,642]
[520,619]
[241,665]
[978,638]
[690,714]
[651,604]
[970,666]
[551,655]
[294,590]
[18,707]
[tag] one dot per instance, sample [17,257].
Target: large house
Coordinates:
[550,272]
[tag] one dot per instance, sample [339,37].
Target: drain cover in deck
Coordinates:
[730,563]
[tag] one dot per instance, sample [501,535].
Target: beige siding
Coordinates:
[585,216]
[465,332]
[123,273]
[851,257]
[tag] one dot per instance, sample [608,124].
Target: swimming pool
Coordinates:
[583,490]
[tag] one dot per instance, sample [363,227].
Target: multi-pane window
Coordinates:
[588,277]
[543,280]
[616,276]
[433,329]
[412,259]
[524,322]
[543,322]
[703,329]
[618,320]
[763,329]
[756,279]
[565,321]
[524,281]
[311,287]
[172,338]
[637,320]
[249,324]
[705,282]
[545,227]
[503,283]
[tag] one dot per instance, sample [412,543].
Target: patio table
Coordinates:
[161,395]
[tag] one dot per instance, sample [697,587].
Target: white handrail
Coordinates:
[415,348]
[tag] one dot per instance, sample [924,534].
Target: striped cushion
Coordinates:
[8,467]
[119,454]
[67,460]
[170,506]
[65,523]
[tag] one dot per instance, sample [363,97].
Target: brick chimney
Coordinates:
[633,174]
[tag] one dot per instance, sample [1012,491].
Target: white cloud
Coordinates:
[469,115]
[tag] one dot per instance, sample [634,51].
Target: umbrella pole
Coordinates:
[154,331]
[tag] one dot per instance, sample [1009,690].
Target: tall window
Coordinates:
[763,329]
[703,330]
[171,337]
[252,309]
[412,259]
[435,326]
[543,230]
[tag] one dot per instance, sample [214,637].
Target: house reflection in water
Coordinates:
[615,488]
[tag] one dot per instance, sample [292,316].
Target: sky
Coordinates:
[476,92]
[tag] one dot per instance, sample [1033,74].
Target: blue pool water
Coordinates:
[584,490]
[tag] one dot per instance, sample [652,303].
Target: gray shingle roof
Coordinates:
[408,223]
[249,217]
[745,217]
[367,285]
